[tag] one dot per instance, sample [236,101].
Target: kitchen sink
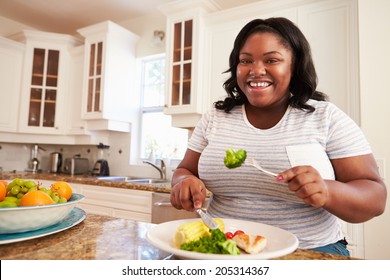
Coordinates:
[135,180]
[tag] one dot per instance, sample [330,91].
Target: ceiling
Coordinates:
[66,16]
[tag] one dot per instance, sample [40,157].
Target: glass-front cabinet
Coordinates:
[109,98]
[185,29]
[181,63]
[44,88]
[94,77]
[44,82]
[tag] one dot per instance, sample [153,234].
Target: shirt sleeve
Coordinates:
[345,138]
[198,140]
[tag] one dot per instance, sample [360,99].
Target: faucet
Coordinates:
[162,169]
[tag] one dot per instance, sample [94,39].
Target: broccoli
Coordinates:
[214,244]
[229,247]
[234,158]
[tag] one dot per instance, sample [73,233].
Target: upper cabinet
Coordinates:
[76,124]
[185,32]
[109,97]
[44,82]
[11,57]
[181,65]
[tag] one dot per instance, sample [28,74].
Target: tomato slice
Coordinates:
[238,232]
[229,235]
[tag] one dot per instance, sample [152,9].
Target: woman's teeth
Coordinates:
[259,84]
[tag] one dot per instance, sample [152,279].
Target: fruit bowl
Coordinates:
[28,218]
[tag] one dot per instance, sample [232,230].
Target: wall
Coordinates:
[9,27]
[374,41]
[145,27]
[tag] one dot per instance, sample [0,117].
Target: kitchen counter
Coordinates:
[87,180]
[107,238]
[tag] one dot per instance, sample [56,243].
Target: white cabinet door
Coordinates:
[75,124]
[44,82]
[11,60]
[185,63]
[110,101]
[331,28]
[114,202]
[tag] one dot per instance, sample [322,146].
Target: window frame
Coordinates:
[150,109]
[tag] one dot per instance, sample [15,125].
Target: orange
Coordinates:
[4,182]
[36,198]
[62,188]
[3,190]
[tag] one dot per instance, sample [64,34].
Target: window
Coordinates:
[158,138]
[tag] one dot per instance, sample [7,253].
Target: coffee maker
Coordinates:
[101,165]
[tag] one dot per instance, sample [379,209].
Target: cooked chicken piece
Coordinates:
[252,244]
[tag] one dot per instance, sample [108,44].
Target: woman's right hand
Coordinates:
[188,194]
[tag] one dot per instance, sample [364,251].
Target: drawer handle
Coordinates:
[168,204]
[163,203]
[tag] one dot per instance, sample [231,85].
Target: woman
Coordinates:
[325,166]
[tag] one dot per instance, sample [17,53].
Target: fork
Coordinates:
[257,165]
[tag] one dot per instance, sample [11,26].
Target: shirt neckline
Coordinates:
[245,117]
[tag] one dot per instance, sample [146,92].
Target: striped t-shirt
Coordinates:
[300,138]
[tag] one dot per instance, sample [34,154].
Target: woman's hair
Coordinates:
[303,82]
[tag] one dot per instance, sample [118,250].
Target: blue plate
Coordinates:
[75,217]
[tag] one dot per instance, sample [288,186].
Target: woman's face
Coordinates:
[264,70]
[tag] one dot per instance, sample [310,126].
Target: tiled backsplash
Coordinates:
[17,157]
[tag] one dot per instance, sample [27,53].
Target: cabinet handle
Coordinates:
[163,204]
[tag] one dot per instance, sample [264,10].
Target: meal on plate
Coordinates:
[196,236]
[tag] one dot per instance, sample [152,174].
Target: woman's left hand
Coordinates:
[307,184]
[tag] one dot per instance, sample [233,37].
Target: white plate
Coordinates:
[279,242]
[75,217]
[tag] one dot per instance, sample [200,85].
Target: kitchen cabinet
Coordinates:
[115,202]
[76,125]
[110,101]
[185,32]
[44,81]
[11,57]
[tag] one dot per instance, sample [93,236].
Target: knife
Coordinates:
[207,219]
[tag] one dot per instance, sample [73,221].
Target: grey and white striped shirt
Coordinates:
[300,138]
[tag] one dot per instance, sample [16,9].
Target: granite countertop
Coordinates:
[87,180]
[107,238]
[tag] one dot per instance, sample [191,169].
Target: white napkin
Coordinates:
[311,154]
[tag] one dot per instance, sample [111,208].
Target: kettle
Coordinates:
[55,162]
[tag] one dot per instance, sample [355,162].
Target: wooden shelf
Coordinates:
[186,81]
[184,49]
[39,101]
[42,75]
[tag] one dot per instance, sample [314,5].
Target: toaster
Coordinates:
[75,166]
